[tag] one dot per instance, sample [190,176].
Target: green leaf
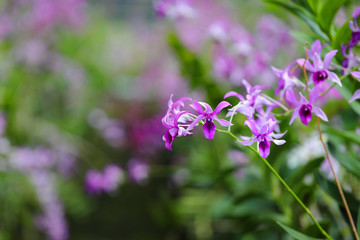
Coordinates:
[327,14]
[302,171]
[296,234]
[304,14]
[315,5]
[342,37]
[348,135]
[347,161]
[347,94]
[330,188]
[358,221]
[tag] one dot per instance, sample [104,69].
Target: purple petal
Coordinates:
[308,65]
[196,121]
[355,74]
[290,97]
[334,78]
[356,13]
[197,107]
[318,112]
[264,148]
[209,129]
[355,96]
[278,72]
[234,94]
[278,135]
[315,93]
[220,106]
[223,122]
[318,64]
[246,110]
[253,127]
[352,26]
[305,114]
[328,57]
[247,85]
[315,48]
[247,143]
[272,124]
[177,116]
[207,107]
[295,115]
[169,137]
[264,128]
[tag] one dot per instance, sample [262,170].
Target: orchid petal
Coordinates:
[247,143]
[220,106]
[253,127]
[272,124]
[308,65]
[278,135]
[209,129]
[328,57]
[196,121]
[207,107]
[355,74]
[314,94]
[197,107]
[264,148]
[279,142]
[355,96]
[290,97]
[295,115]
[278,72]
[247,85]
[320,113]
[334,78]
[223,122]
[246,110]
[315,48]
[234,94]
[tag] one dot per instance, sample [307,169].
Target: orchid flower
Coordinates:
[350,60]
[305,108]
[253,100]
[355,28]
[263,135]
[286,80]
[223,64]
[209,116]
[174,9]
[357,92]
[174,130]
[319,68]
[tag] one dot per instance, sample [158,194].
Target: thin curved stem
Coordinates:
[284,183]
[353,228]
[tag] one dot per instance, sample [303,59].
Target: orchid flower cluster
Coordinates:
[257,106]
[351,60]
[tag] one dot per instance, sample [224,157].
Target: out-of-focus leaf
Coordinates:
[348,135]
[296,234]
[303,14]
[342,37]
[302,171]
[315,5]
[347,161]
[327,13]
[330,188]
[347,94]
[358,221]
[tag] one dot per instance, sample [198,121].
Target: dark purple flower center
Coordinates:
[355,39]
[345,63]
[319,76]
[305,113]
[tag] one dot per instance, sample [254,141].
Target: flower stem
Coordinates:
[284,183]
[337,182]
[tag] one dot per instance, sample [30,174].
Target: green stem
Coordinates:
[284,183]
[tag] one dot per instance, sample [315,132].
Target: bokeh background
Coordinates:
[83,88]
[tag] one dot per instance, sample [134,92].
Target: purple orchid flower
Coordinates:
[223,64]
[350,60]
[252,102]
[263,135]
[174,130]
[287,80]
[319,68]
[174,9]
[357,92]
[305,108]
[209,116]
[355,28]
